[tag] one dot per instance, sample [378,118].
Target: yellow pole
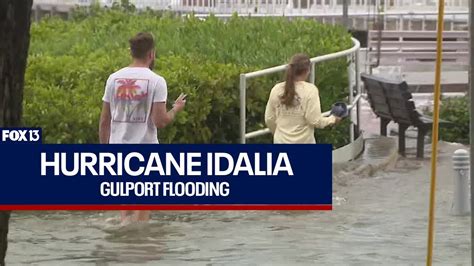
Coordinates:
[434,140]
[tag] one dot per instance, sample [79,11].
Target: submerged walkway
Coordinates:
[389,211]
[385,197]
[378,219]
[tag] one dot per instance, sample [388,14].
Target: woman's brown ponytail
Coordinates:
[299,65]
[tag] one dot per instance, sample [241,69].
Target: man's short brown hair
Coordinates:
[141,44]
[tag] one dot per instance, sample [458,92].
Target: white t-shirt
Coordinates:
[131,92]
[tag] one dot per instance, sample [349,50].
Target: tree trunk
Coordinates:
[4,218]
[15,18]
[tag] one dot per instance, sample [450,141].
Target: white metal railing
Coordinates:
[61,2]
[396,14]
[275,6]
[410,48]
[354,80]
[420,20]
[298,6]
[400,21]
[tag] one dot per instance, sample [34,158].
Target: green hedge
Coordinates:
[69,62]
[455,110]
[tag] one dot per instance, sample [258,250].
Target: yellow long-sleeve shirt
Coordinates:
[295,124]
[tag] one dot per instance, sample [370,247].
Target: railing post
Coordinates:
[410,22]
[453,19]
[461,202]
[357,84]
[312,75]
[243,88]
[452,25]
[351,94]
[401,23]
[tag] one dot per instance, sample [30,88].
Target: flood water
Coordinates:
[377,220]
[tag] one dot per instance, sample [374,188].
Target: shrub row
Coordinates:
[455,110]
[70,60]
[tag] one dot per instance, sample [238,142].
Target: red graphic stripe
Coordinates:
[284,207]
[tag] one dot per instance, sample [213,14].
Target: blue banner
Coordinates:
[157,175]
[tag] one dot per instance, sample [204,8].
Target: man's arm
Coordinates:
[160,117]
[104,124]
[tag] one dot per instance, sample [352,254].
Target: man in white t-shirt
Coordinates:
[134,104]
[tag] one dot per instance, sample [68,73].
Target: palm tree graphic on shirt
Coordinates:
[131,101]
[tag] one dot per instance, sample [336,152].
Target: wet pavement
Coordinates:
[378,219]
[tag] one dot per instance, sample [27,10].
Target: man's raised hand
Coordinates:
[180,102]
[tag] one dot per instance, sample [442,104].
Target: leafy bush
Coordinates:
[455,110]
[70,61]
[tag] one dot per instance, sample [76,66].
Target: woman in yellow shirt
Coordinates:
[293,109]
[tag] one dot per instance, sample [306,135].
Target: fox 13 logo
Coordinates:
[20,135]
